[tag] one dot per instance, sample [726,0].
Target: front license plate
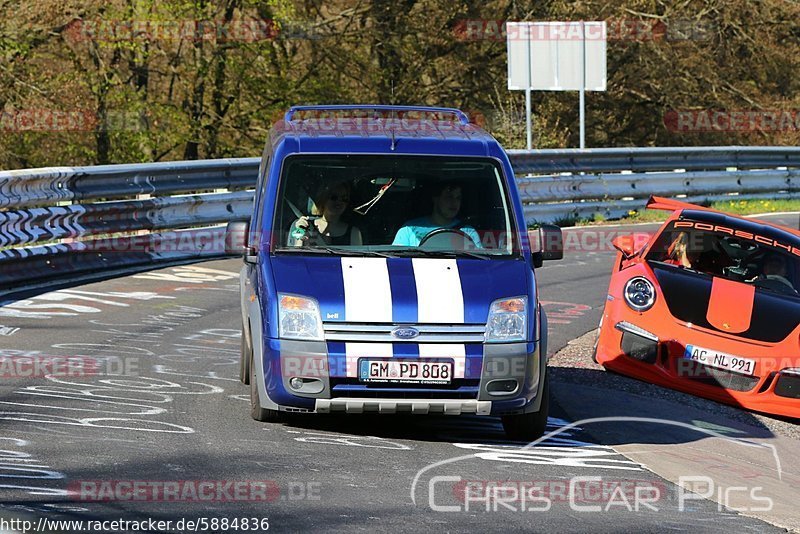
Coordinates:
[410,371]
[720,360]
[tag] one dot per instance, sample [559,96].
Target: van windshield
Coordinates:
[394,206]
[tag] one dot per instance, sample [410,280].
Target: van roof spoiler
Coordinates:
[462,117]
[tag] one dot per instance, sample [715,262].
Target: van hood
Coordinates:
[401,290]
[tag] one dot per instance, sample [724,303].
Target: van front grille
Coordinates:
[385,332]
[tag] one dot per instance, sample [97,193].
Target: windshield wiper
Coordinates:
[333,251]
[403,253]
[440,253]
[473,254]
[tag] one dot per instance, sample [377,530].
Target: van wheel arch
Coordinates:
[246,354]
[264,415]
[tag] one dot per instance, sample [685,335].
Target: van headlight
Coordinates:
[640,294]
[508,320]
[299,318]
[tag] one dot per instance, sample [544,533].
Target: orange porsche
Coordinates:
[708,305]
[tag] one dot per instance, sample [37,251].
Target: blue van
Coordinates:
[388,269]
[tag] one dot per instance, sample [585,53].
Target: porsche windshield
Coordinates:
[769,263]
[393,205]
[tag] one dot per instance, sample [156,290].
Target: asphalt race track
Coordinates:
[162,408]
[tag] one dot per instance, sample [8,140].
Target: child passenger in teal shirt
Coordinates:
[446,205]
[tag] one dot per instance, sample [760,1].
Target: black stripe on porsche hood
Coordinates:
[687,295]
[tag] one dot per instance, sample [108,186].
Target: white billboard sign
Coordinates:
[555,56]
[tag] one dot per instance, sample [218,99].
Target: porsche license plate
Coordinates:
[410,371]
[720,360]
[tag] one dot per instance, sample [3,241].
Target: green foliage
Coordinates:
[177,79]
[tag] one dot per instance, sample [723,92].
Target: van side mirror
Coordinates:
[547,244]
[236,234]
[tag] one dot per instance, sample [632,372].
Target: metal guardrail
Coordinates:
[566,184]
[35,187]
[63,222]
[75,221]
[649,159]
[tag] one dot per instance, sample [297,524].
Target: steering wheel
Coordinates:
[741,266]
[741,246]
[777,283]
[440,231]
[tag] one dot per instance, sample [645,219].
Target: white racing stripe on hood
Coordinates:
[367,299]
[440,300]
[367,292]
[439,296]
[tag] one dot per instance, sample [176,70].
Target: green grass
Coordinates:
[735,207]
[751,207]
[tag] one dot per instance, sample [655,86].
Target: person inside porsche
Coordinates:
[775,268]
[678,251]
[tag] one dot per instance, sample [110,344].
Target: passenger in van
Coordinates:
[330,204]
[446,198]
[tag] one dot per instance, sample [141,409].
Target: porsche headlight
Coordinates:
[640,294]
[299,318]
[508,320]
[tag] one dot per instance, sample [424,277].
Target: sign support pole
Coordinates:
[528,119]
[528,115]
[582,97]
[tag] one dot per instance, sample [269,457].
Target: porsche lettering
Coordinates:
[735,232]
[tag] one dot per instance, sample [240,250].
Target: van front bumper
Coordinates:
[504,379]
[412,406]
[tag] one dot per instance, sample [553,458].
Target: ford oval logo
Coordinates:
[405,332]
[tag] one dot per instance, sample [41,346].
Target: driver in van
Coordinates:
[446,199]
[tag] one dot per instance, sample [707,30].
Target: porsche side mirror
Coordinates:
[630,245]
[624,243]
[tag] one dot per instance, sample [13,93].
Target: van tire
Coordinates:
[258,413]
[529,426]
[245,356]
